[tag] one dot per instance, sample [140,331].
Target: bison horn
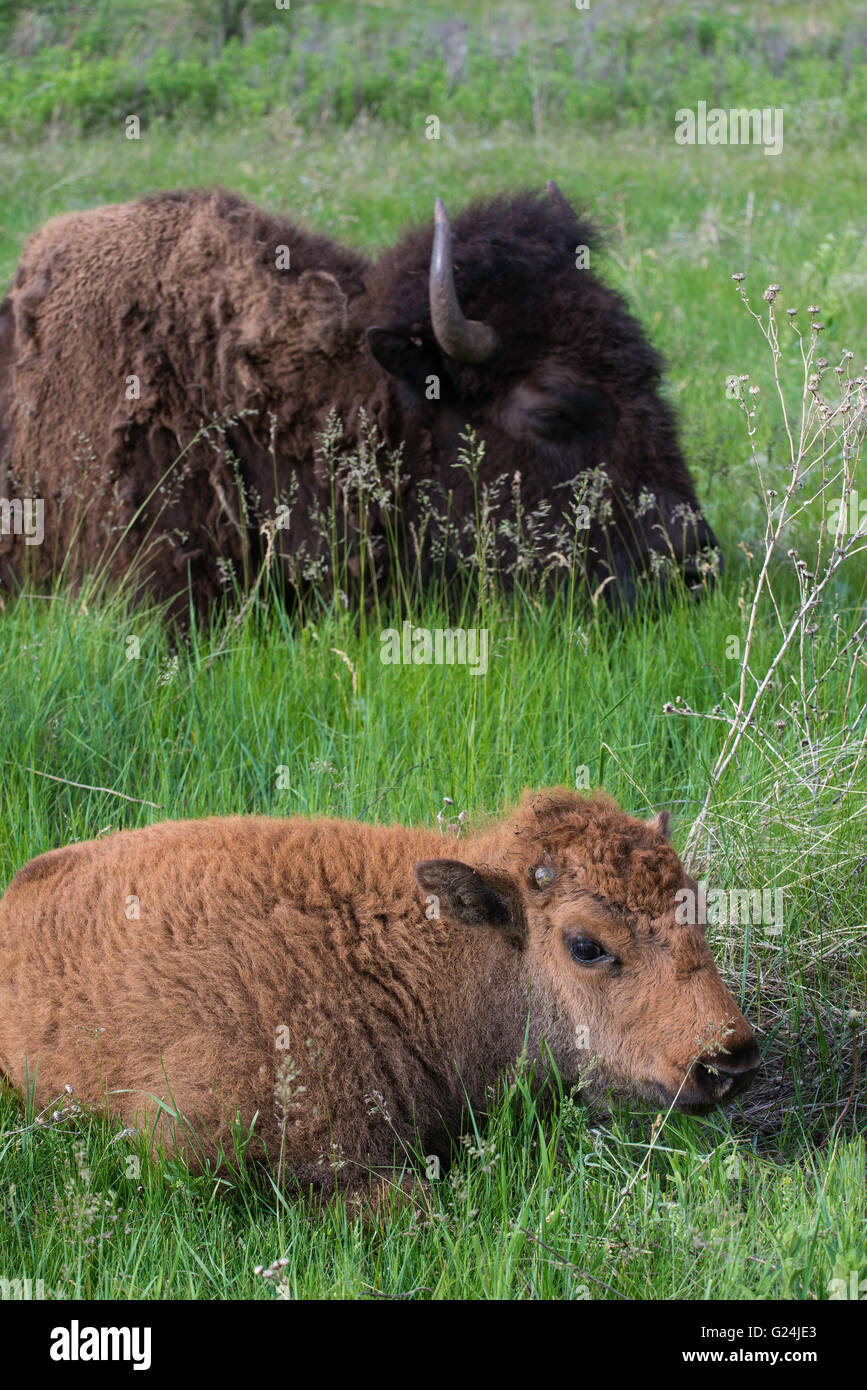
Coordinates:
[464,340]
[556,195]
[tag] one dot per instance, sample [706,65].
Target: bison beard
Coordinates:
[168,366]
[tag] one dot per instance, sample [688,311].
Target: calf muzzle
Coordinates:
[717,1079]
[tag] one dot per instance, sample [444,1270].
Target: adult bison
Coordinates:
[167,367]
[349,989]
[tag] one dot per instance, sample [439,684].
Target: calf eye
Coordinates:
[587,952]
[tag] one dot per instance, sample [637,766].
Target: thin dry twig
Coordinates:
[86,786]
[824,446]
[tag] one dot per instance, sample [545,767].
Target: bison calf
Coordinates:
[346,988]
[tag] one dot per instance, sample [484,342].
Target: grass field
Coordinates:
[764,1200]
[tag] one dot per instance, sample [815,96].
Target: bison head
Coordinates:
[513,337]
[584,900]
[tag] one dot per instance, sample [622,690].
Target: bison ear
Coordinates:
[315,306]
[323,307]
[472,897]
[661,822]
[410,359]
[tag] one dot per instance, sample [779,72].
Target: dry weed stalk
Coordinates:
[824,439]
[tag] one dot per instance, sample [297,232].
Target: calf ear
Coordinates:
[661,822]
[473,897]
[411,360]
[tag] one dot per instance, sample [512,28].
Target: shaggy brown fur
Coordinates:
[292,970]
[182,292]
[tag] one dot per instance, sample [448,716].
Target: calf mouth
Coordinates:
[713,1084]
[709,1082]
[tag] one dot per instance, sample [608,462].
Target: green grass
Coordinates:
[764,1200]
[207,728]
[534,1207]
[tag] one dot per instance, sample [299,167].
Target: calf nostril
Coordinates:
[729,1074]
[744,1058]
[710,1076]
[717,1078]
[735,1062]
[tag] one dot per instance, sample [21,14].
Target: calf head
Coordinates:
[585,899]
